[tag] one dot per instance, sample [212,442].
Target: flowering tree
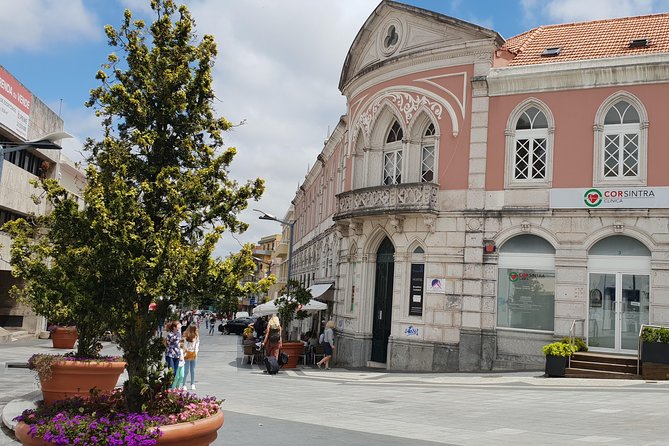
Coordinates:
[159,196]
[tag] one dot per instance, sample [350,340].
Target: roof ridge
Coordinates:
[612,19]
[535,33]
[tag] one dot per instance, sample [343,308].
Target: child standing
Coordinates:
[179,375]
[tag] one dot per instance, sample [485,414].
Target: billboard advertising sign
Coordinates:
[15,104]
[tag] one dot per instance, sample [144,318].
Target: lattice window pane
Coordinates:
[539,159]
[522,159]
[427,164]
[611,151]
[398,167]
[388,168]
[630,162]
[429,131]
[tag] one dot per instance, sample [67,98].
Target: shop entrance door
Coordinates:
[383,300]
[618,306]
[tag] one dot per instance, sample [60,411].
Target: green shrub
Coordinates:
[655,334]
[579,343]
[559,349]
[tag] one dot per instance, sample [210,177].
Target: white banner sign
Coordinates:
[15,103]
[610,198]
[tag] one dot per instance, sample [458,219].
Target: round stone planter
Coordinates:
[64,337]
[293,350]
[195,433]
[77,378]
[44,334]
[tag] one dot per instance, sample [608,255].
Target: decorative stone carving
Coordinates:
[430,223]
[400,198]
[355,227]
[397,223]
[407,103]
[473,224]
[525,226]
[618,226]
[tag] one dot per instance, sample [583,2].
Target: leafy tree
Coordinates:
[289,304]
[51,253]
[159,195]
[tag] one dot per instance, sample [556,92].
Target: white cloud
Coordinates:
[32,24]
[564,11]
[278,70]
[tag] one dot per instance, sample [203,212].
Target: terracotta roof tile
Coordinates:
[591,40]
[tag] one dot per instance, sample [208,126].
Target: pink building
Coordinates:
[482,197]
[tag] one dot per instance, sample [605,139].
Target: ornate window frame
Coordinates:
[600,130]
[394,149]
[510,145]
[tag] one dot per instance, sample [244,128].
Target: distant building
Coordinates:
[23,118]
[482,197]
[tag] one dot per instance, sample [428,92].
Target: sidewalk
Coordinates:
[433,407]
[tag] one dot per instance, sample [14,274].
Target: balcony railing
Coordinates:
[398,198]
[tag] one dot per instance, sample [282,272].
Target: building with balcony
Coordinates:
[482,197]
[25,118]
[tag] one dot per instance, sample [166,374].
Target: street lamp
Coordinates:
[266,216]
[45,142]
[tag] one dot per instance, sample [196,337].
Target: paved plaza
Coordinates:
[367,407]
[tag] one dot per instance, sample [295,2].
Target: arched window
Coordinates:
[529,145]
[392,155]
[620,142]
[427,156]
[530,158]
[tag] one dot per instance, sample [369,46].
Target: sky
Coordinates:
[277,70]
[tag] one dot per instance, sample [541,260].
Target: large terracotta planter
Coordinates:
[293,350]
[195,433]
[64,337]
[77,378]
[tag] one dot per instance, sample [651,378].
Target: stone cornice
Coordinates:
[632,70]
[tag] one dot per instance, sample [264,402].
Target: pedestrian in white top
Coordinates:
[191,348]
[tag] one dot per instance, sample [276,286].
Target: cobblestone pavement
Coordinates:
[366,407]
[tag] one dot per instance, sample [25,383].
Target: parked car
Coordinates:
[237,326]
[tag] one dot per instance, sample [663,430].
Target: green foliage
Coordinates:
[655,334]
[289,304]
[579,343]
[559,349]
[158,195]
[50,254]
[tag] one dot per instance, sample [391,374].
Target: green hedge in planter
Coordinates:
[559,349]
[579,343]
[655,334]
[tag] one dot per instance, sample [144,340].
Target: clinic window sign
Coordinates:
[610,198]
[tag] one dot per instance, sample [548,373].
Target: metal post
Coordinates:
[290,256]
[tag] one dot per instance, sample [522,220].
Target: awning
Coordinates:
[317,290]
[270,307]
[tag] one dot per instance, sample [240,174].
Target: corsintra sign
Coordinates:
[603,198]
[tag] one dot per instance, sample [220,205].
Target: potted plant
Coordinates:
[101,419]
[158,195]
[655,345]
[289,307]
[557,355]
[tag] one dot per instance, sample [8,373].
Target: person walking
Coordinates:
[272,341]
[191,348]
[212,324]
[178,381]
[172,345]
[328,345]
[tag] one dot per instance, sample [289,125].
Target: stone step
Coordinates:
[604,358]
[598,374]
[603,366]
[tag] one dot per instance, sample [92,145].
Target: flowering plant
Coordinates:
[41,363]
[103,419]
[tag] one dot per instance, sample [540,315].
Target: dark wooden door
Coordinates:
[383,300]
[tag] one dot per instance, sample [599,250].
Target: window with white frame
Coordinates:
[427,155]
[392,155]
[621,135]
[620,151]
[531,148]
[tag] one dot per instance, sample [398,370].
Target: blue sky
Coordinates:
[278,68]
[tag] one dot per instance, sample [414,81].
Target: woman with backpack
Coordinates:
[191,348]
[272,341]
